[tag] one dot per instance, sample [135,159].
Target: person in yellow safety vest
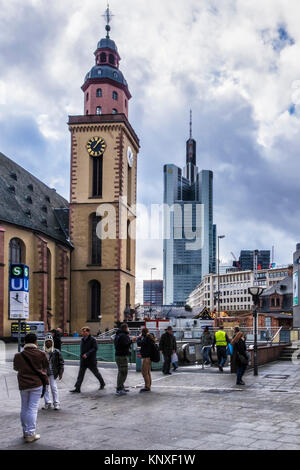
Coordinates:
[221,341]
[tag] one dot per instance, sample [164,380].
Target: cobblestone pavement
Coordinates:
[190,409]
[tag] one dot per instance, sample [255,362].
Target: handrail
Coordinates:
[276,334]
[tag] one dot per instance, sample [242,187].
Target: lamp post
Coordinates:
[152,269]
[219,237]
[256,293]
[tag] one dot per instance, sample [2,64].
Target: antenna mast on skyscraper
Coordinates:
[191,123]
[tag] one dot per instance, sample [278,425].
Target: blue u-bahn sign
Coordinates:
[19,291]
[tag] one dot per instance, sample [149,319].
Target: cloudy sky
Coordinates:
[234,62]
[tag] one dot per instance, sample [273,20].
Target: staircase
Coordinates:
[287,353]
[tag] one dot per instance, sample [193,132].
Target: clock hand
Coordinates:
[99,142]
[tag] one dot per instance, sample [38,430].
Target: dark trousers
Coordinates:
[222,356]
[93,368]
[122,363]
[167,363]
[240,372]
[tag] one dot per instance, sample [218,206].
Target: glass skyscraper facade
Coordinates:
[189,232]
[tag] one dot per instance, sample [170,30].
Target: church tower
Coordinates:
[104,149]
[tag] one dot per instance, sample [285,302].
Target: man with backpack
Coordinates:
[147,344]
[31,365]
[123,343]
[168,347]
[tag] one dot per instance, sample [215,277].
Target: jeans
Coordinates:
[29,409]
[53,386]
[146,371]
[206,353]
[93,368]
[167,363]
[122,363]
[240,372]
[222,356]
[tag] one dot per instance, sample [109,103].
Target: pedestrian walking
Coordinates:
[57,334]
[146,342]
[168,347]
[221,341]
[206,345]
[240,356]
[31,365]
[123,343]
[55,371]
[88,359]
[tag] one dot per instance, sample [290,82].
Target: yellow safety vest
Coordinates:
[220,338]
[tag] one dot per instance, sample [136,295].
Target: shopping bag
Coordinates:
[174,358]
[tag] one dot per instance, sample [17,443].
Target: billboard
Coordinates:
[295,289]
[19,292]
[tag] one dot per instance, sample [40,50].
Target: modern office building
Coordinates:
[153,292]
[234,295]
[246,260]
[189,232]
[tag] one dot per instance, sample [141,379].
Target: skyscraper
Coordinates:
[189,233]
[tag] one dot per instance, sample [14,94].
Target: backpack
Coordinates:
[155,353]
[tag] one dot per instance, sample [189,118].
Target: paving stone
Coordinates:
[265,445]
[290,438]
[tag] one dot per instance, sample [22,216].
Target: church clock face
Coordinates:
[96,146]
[130,157]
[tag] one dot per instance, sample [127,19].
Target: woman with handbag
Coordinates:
[31,365]
[240,356]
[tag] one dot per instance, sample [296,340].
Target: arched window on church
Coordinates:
[102,57]
[128,248]
[114,111]
[96,243]
[127,294]
[115,95]
[17,251]
[97,182]
[99,110]
[95,301]
[49,279]
[99,93]
[111,59]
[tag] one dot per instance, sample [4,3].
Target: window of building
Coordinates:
[111,59]
[96,246]
[114,111]
[87,113]
[127,294]
[102,57]
[128,248]
[87,97]
[95,300]
[115,95]
[49,279]
[97,182]
[99,110]
[17,251]
[99,93]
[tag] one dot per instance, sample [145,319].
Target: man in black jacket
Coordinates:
[88,359]
[168,347]
[122,345]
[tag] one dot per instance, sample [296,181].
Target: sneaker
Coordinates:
[120,393]
[57,406]
[145,390]
[221,369]
[74,391]
[126,390]
[32,438]
[241,382]
[47,406]
[102,387]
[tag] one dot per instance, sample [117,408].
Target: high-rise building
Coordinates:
[153,292]
[246,260]
[188,199]
[104,149]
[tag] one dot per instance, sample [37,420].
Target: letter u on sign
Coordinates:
[17,284]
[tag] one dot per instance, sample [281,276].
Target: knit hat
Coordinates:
[48,337]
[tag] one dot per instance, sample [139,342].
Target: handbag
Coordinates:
[243,360]
[174,358]
[229,350]
[41,376]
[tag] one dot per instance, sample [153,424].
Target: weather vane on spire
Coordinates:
[108,16]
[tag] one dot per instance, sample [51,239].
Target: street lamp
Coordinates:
[219,237]
[152,269]
[256,292]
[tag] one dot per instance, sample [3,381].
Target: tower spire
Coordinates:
[108,16]
[191,123]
